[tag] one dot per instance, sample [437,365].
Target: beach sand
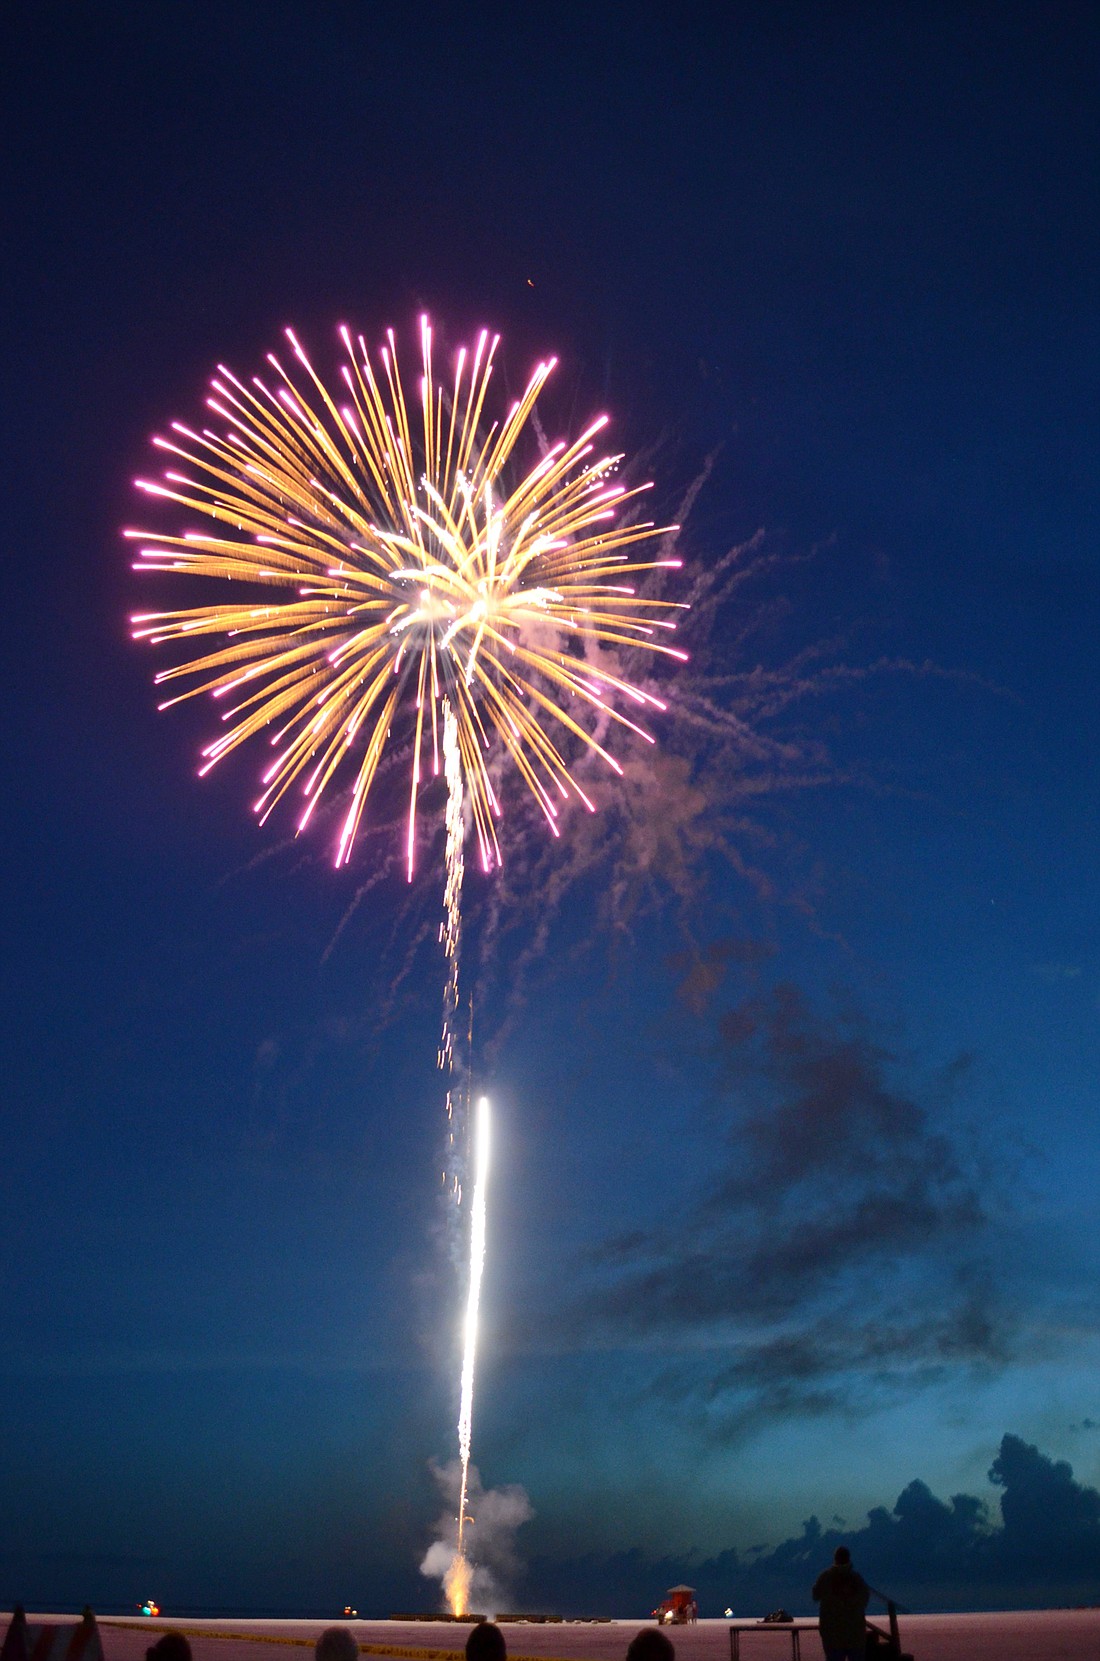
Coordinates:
[1031,1635]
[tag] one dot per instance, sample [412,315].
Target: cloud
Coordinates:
[923,1551]
[843,1244]
[1048,1517]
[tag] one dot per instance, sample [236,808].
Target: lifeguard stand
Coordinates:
[677,1608]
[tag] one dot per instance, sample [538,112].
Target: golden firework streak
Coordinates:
[379,563]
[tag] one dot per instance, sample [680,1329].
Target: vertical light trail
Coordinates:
[458,1579]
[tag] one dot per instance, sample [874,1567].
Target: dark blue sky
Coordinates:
[797,1101]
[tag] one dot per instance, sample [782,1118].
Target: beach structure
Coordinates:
[677,1608]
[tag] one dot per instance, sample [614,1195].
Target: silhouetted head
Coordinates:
[651,1644]
[486,1643]
[170,1646]
[842,1557]
[336,1643]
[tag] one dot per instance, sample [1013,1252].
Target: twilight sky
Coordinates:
[795,1055]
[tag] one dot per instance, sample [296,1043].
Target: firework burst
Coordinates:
[386,564]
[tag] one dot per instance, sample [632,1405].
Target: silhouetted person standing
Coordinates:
[842,1594]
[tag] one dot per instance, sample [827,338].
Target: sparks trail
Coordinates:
[396,565]
[405,573]
[458,1576]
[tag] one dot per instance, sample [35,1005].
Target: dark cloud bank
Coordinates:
[844,1249]
[930,1554]
[927,1553]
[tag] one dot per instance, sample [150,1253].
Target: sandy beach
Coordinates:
[1031,1635]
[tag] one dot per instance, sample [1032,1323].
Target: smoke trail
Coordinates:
[450,933]
[493,1565]
[457,1578]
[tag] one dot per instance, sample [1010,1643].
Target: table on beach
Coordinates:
[793,1628]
